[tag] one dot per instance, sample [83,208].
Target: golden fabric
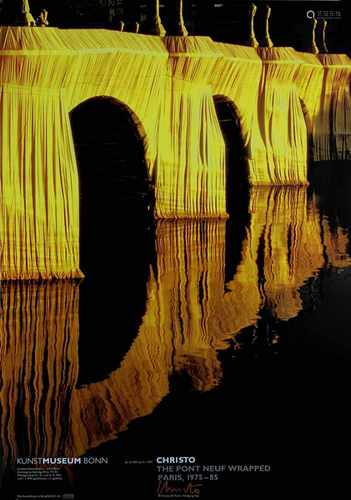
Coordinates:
[281,121]
[40,216]
[237,76]
[263,85]
[44,73]
[190,161]
[332,132]
[168,85]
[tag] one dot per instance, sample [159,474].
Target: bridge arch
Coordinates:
[236,152]
[114,182]
[95,117]
[237,180]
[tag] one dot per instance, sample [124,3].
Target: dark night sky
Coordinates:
[226,22]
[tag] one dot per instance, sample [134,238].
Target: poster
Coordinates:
[175,248]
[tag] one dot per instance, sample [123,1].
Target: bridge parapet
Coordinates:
[191,58]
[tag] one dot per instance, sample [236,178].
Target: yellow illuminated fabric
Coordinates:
[44,73]
[168,85]
[237,76]
[281,121]
[332,127]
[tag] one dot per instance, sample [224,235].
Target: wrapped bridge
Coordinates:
[289,107]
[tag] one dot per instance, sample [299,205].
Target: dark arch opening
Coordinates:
[113,176]
[116,202]
[237,193]
[236,154]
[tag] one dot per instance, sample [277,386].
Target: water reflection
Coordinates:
[39,367]
[290,248]
[192,302]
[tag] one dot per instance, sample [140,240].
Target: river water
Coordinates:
[224,340]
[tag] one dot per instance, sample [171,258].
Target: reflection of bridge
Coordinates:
[191,314]
[167,84]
